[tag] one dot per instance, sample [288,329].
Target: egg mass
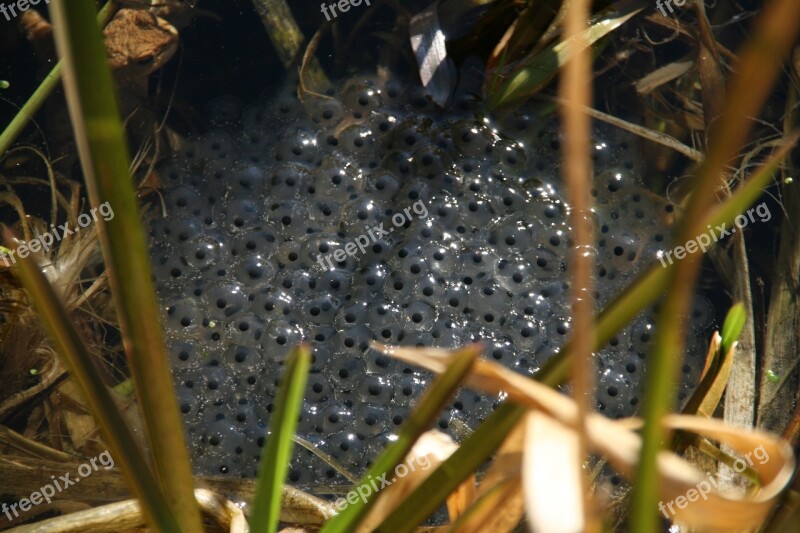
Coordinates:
[369,214]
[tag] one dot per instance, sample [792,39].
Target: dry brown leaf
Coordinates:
[498,504]
[430,450]
[712,392]
[459,500]
[720,510]
[480,515]
[80,423]
[507,463]
[663,75]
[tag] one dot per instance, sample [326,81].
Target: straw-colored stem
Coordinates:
[576,90]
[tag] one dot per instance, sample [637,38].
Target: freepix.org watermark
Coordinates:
[375,485]
[20,6]
[705,240]
[668,3]
[343,5]
[56,485]
[362,242]
[47,239]
[703,488]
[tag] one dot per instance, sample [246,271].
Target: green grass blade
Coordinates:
[83,370]
[105,160]
[30,108]
[425,413]
[275,461]
[39,96]
[477,448]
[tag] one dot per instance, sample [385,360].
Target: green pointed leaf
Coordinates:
[733,326]
[539,69]
[275,461]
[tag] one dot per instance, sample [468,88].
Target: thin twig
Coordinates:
[121,516]
[30,446]
[645,133]
[51,375]
[333,463]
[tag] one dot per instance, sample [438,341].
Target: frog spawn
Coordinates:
[255,203]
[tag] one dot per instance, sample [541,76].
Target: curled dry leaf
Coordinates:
[717,510]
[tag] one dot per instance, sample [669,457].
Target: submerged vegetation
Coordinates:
[711,91]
